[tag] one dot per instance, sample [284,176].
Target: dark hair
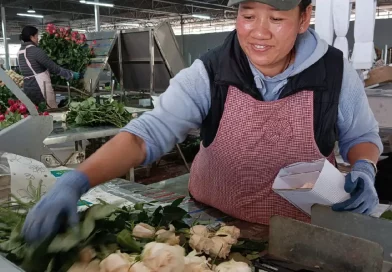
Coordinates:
[27,32]
[304,4]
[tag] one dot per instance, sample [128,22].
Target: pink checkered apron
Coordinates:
[254,141]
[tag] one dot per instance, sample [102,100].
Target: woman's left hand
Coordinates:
[360,185]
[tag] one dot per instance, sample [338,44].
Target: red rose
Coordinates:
[13,108]
[22,109]
[11,102]
[46,113]
[2,118]
[83,37]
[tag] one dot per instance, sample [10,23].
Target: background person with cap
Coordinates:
[272,95]
[36,67]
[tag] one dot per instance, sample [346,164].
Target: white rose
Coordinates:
[200,243]
[220,248]
[139,267]
[163,257]
[143,231]
[115,263]
[229,230]
[233,266]
[167,236]
[200,230]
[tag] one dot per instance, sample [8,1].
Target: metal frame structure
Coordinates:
[157,59]
[142,12]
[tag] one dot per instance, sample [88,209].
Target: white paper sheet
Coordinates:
[328,184]
[24,170]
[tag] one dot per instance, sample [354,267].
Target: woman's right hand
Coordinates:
[76,75]
[59,204]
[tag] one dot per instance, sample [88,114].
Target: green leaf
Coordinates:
[37,258]
[387,215]
[180,225]
[65,242]
[249,245]
[79,120]
[156,217]
[15,239]
[139,206]
[101,211]
[171,213]
[177,202]
[143,217]
[126,241]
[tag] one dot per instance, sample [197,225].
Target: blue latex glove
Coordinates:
[76,76]
[360,185]
[59,204]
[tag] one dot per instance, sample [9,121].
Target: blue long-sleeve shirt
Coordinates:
[187,101]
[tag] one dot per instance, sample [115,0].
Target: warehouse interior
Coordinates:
[126,147]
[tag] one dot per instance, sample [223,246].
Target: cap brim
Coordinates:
[278,4]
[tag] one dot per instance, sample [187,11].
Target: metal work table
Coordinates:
[62,134]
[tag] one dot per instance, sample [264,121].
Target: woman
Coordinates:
[35,66]
[272,95]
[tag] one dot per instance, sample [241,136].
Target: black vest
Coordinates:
[227,65]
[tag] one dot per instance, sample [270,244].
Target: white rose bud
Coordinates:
[233,266]
[163,257]
[143,231]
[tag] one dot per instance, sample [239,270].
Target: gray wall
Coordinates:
[196,45]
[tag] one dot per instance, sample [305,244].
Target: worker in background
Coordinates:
[36,67]
[272,95]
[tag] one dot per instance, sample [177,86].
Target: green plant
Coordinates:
[5,96]
[68,49]
[90,113]
[9,119]
[387,215]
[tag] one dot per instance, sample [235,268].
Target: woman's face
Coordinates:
[267,35]
[34,38]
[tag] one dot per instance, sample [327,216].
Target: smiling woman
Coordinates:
[273,94]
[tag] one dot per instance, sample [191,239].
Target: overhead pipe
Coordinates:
[205,5]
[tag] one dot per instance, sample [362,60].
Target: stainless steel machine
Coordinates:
[141,59]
